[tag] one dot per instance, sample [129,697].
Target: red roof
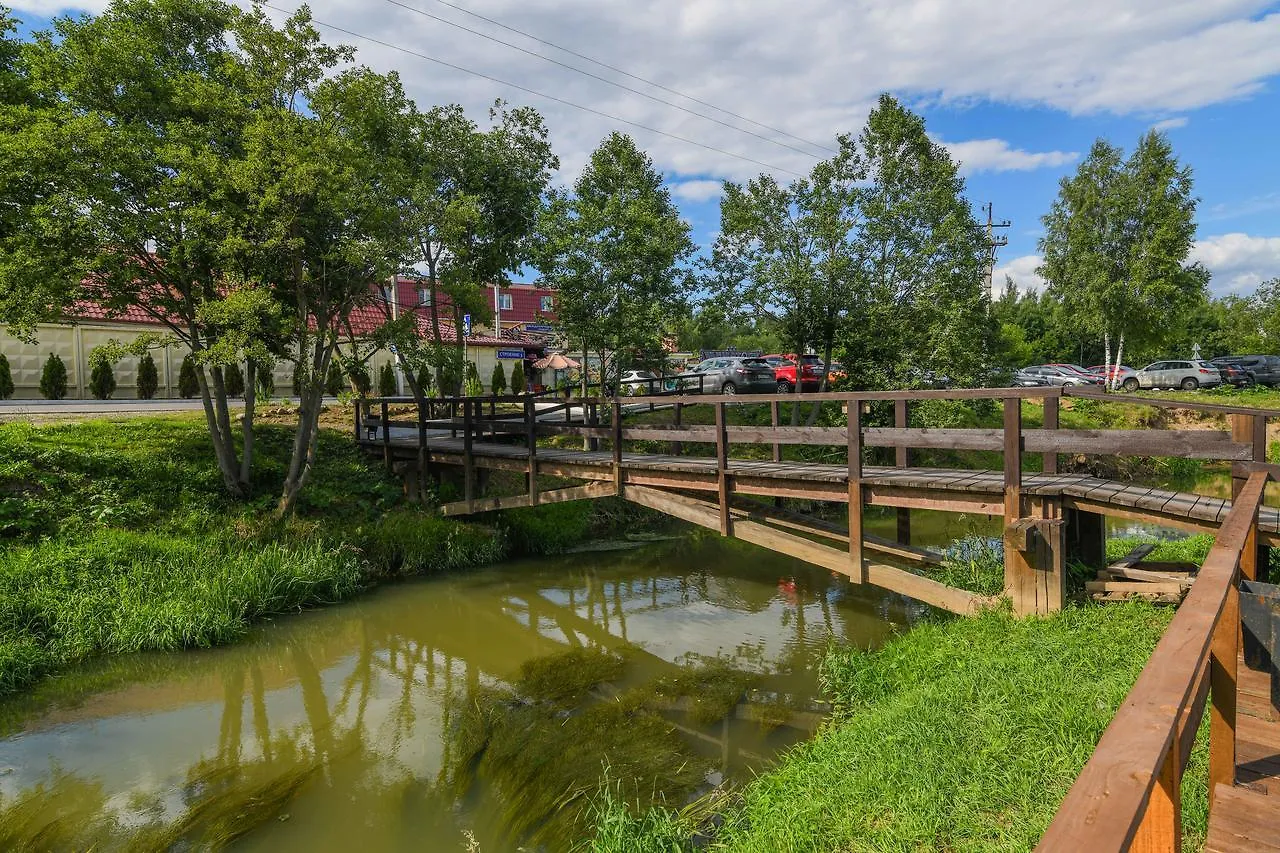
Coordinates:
[526,300]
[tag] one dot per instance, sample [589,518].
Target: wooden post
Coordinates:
[857,566]
[1161,827]
[1252,430]
[1051,405]
[677,447]
[593,420]
[617,445]
[359,425]
[1086,535]
[386,436]
[902,460]
[422,451]
[531,427]
[468,459]
[722,468]
[1019,575]
[775,412]
[493,414]
[1224,656]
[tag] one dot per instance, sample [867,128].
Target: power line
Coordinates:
[628,74]
[605,80]
[538,94]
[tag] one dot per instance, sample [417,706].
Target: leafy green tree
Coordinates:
[387,381]
[1116,243]
[102,379]
[188,383]
[53,378]
[233,377]
[6,378]
[333,382]
[148,378]
[518,382]
[498,381]
[615,250]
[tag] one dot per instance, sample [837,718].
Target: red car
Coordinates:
[784,371]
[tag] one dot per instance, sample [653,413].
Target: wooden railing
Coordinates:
[1128,797]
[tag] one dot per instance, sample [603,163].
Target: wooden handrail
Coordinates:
[1129,789]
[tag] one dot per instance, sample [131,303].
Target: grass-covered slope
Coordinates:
[962,735]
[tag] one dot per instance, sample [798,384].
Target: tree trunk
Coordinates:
[1106,360]
[822,384]
[223,449]
[1115,380]
[246,425]
[306,437]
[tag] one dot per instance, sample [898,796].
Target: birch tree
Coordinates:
[1116,243]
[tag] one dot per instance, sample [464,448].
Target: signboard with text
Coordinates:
[539,327]
[511,353]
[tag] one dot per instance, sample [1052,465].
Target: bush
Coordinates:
[333,381]
[387,381]
[233,380]
[148,377]
[6,378]
[102,380]
[518,383]
[359,376]
[547,529]
[53,378]
[411,542]
[188,384]
[498,382]
[265,377]
[471,386]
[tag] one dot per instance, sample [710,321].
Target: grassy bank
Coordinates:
[960,735]
[119,538]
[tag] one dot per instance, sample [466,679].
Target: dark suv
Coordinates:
[736,376]
[1260,369]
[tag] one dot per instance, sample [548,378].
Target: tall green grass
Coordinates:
[962,735]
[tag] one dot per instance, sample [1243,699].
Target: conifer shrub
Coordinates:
[498,382]
[387,381]
[148,377]
[265,377]
[471,385]
[333,381]
[233,380]
[359,376]
[518,383]
[188,384]
[53,378]
[6,378]
[102,380]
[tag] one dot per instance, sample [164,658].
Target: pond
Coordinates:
[474,711]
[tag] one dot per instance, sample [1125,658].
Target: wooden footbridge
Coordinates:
[734,478]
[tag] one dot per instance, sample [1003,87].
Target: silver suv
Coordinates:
[736,376]
[1186,374]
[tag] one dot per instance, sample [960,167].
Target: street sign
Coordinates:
[511,353]
[539,327]
[466,325]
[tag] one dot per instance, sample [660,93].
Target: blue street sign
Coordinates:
[511,353]
[539,327]
[466,325]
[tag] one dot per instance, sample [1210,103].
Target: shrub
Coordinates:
[546,529]
[518,384]
[188,384]
[6,378]
[410,542]
[53,378]
[265,377]
[233,380]
[102,380]
[148,377]
[498,382]
[333,381]
[359,376]
[387,381]
[425,381]
[471,387]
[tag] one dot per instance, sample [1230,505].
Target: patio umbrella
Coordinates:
[556,361]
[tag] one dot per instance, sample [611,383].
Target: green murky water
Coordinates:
[446,712]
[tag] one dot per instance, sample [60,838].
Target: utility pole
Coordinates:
[994,241]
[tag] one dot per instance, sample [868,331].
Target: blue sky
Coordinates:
[1018,90]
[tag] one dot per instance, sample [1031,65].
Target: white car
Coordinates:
[640,382]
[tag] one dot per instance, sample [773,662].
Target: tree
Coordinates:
[188,384]
[53,378]
[6,378]
[233,378]
[498,381]
[614,250]
[333,382]
[148,378]
[102,380]
[387,381]
[518,382]
[1116,242]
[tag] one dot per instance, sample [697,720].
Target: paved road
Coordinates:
[64,408]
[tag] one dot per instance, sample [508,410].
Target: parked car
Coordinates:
[635,382]
[1186,374]
[1055,374]
[737,375]
[836,372]
[1022,378]
[1235,374]
[1120,370]
[785,368]
[1261,369]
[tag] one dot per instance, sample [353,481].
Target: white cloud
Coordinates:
[1247,207]
[995,155]
[1239,262]
[1023,272]
[1170,123]
[697,190]
[771,62]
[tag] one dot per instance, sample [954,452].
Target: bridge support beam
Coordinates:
[1035,561]
[1086,538]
